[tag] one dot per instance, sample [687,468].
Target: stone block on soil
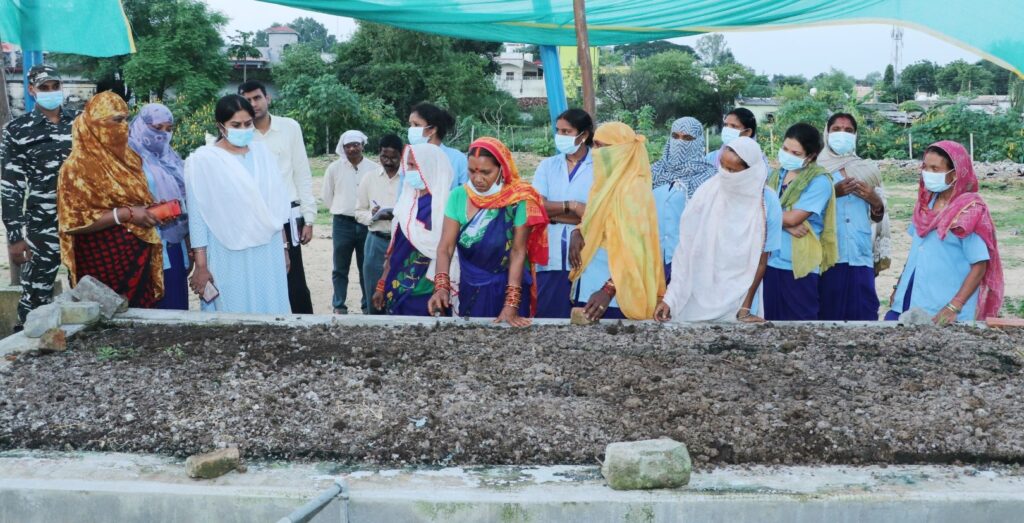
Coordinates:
[578,317]
[91,289]
[648,464]
[41,320]
[53,340]
[79,312]
[916,316]
[212,464]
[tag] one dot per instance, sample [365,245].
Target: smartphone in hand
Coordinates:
[165,211]
[210,293]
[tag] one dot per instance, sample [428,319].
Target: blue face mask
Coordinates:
[241,137]
[415,180]
[842,143]
[416,136]
[566,144]
[789,161]
[935,182]
[50,100]
[729,134]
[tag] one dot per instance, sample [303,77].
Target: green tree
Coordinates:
[309,92]
[714,50]
[809,111]
[635,51]
[781,80]
[404,68]
[727,81]
[834,81]
[655,81]
[1000,76]
[759,86]
[242,49]
[960,77]
[314,34]
[185,42]
[921,76]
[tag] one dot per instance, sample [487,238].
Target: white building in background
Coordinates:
[279,38]
[520,74]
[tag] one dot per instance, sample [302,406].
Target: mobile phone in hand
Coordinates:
[165,211]
[210,293]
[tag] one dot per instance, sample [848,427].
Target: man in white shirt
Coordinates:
[283,137]
[375,204]
[339,193]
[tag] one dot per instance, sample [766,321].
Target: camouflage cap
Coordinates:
[42,73]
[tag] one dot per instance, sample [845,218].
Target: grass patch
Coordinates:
[109,353]
[1013,307]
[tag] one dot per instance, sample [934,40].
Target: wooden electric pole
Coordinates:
[579,10]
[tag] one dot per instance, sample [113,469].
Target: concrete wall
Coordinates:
[85,487]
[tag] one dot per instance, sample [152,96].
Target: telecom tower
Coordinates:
[897,52]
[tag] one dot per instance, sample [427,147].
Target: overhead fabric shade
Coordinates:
[990,28]
[85,27]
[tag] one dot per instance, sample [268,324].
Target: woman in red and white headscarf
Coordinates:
[953,271]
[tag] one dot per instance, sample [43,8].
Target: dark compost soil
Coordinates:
[544,395]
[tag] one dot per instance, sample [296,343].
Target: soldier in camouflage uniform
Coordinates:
[32,150]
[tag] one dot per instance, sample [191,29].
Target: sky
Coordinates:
[855,49]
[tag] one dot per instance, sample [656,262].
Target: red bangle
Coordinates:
[513,296]
[442,281]
[609,289]
[380,285]
[131,214]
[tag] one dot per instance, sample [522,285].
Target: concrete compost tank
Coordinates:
[453,420]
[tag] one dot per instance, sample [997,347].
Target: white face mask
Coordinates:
[935,182]
[416,136]
[566,144]
[495,188]
[415,180]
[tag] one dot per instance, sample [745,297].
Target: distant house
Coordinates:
[279,38]
[764,109]
[521,76]
[11,56]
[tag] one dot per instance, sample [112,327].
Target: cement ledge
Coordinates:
[52,486]
[165,317]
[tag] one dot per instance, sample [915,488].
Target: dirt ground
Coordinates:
[543,395]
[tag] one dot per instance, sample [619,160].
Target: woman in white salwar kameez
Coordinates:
[725,235]
[237,202]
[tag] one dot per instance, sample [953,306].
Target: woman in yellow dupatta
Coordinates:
[105,229]
[615,253]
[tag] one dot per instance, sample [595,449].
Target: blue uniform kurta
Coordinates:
[785,297]
[555,182]
[937,268]
[847,291]
[252,280]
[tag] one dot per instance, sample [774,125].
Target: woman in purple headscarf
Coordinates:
[150,136]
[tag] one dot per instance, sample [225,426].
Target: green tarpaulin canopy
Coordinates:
[86,27]
[990,28]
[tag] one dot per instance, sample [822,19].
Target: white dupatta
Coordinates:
[437,173]
[721,238]
[241,209]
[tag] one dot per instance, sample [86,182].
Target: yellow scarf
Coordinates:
[810,252]
[101,173]
[622,219]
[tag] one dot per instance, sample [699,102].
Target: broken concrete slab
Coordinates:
[79,312]
[91,289]
[41,320]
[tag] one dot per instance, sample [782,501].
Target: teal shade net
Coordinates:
[993,29]
[85,27]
